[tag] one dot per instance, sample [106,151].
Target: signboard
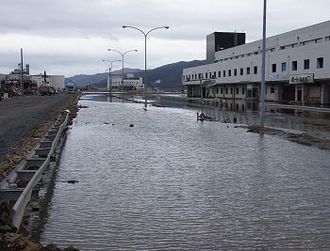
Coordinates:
[302,78]
[208,83]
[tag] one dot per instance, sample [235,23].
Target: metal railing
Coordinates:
[23,200]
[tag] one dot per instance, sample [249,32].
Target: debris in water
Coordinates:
[131,125]
[69,181]
[72,181]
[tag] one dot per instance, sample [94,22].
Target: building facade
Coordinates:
[297,69]
[129,83]
[55,81]
[218,41]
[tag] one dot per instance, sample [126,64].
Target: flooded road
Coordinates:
[171,183]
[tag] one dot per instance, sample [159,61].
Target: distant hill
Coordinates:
[83,80]
[167,77]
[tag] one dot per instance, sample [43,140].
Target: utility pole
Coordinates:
[21,80]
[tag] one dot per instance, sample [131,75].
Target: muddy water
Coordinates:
[171,183]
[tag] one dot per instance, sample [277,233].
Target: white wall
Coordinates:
[56,81]
[307,43]
[137,83]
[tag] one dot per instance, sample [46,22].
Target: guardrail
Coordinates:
[25,197]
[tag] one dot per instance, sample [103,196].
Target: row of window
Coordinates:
[283,47]
[224,90]
[294,65]
[247,70]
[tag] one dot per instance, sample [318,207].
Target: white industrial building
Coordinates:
[297,69]
[55,81]
[129,83]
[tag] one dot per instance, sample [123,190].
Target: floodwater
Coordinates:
[172,183]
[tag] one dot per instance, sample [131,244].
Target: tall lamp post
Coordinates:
[263,69]
[122,61]
[145,34]
[110,68]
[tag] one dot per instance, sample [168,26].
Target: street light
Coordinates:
[145,55]
[122,61]
[263,69]
[109,75]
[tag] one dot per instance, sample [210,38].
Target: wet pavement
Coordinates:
[172,183]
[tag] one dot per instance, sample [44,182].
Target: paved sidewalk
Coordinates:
[299,107]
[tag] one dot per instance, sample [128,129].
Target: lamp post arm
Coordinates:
[116,51]
[129,51]
[156,28]
[133,27]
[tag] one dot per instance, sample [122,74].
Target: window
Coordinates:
[306,64]
[217,90]
[229,73]
[319,63]
[255,70]
[237,90]
[273,67]
[248,70]
[219,74]
[226,90]
[224,74]
[231,90]
[221,90]
[272,90]
[294,65]
[283,67]
[206,74]
[241,71]
[235,72]
[243,90]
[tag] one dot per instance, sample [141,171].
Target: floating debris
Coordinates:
[69,181]
[73,181]
[131,125]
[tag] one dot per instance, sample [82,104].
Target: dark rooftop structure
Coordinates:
[218,41]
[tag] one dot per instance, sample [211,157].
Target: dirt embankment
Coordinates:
[24,121]
[17,242]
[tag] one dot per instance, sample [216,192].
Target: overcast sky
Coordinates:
[72,36]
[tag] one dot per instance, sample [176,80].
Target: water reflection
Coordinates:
[171,183]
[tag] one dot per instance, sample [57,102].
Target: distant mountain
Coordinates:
[167,77]
[83,80]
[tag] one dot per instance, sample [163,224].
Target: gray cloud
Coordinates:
[77,33]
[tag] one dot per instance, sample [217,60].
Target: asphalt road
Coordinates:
[21,116]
